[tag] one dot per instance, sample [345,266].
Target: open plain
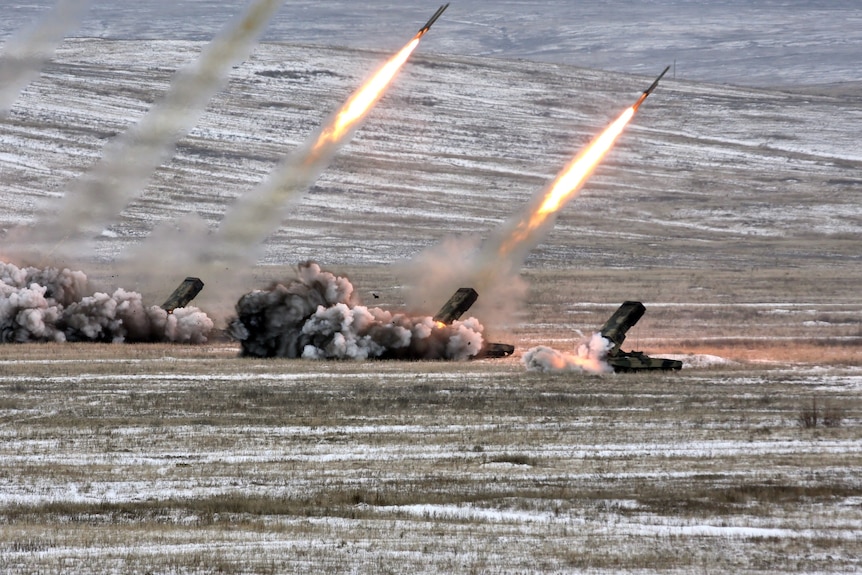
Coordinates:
[188,459]
[732,212]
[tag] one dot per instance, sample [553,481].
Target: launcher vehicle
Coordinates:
[615,329]
[457,305]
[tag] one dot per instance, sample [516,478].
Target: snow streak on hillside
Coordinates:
[705,175]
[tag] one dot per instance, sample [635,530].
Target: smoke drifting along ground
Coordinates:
[26,52]
[50,305]
[589,357]
[317,316]
[96,199]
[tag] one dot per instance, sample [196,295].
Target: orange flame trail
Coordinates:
[259,213]
[493,269]
[357,106]
[567,184]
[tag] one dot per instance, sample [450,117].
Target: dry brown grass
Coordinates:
[247,466]
[180,459]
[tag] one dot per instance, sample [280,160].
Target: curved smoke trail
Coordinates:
[317,316]
[50,305]
[26,52]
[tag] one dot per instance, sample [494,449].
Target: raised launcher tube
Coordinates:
[615,329]
[457,305]
[626,316]
[184,294]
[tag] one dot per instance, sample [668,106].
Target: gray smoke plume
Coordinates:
[127,163]
[589,357]
[317,316]
[435,273]
[49,305]
[27,51]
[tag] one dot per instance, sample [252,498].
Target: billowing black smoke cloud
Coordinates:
[317,316]
[49,305]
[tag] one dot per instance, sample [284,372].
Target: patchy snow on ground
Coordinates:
[197,464]
[699,360]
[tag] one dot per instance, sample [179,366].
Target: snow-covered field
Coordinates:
[732,212]
[732,176]
[201,463]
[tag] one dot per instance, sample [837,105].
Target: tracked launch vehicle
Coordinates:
[615,329]
[457,306]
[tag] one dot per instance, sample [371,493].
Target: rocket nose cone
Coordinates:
[433,18]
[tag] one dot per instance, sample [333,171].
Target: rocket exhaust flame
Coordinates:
[361,101]
[567,184]
[258,214]
[492,268]
[522,234]
[224,258]
[27,51]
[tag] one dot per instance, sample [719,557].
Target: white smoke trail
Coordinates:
[258,214]
[589,357]
[128,161]
[49,305]
[317,316]
[226,256]
[26,52]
